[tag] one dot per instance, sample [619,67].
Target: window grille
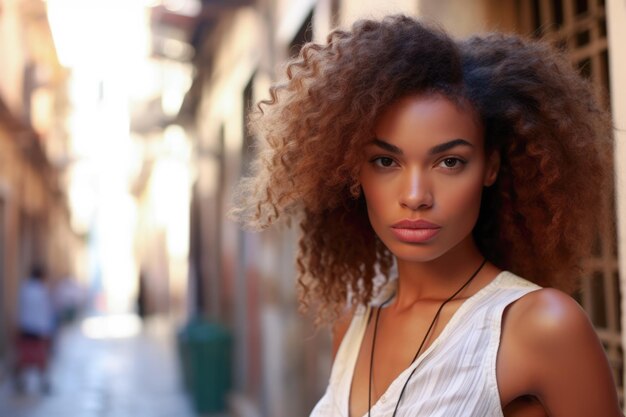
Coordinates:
[579,27]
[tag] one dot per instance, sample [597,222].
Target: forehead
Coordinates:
[429,119]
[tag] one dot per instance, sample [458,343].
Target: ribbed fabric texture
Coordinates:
[456,375]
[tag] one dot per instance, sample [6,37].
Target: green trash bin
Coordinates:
[183,357]
[206,363]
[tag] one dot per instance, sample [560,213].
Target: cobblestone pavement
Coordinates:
[98,376]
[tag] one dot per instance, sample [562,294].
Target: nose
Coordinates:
[416,191]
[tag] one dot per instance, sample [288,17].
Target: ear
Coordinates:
[492,168]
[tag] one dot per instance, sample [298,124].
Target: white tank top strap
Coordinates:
[456,375]
[351,343]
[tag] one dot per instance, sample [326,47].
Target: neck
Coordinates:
[439,278]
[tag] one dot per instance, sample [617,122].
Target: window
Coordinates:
[579,27]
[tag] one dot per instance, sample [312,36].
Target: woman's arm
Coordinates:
[566,367]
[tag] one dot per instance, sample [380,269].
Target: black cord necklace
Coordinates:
[419,349]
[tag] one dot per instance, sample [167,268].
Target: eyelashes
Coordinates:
[383,162]
[449,163]
[452,163]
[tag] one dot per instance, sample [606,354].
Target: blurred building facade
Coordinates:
[127,72]
[616,16]
[34,215]
[161,186]
[245,280]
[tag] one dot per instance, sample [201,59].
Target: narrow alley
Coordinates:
[127,129]
[106,367]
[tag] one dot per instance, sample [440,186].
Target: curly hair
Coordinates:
[553,137]
[540,218]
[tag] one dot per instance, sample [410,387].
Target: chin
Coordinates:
[443,246]
[414,252]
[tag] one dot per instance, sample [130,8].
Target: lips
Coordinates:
[415,231]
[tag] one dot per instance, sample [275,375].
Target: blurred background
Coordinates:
[122,134]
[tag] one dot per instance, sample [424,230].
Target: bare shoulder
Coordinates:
[566,367]
[550,317]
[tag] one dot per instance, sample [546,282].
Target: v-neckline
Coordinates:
[442,335]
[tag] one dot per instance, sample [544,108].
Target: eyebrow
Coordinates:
[442,147]
[387,146]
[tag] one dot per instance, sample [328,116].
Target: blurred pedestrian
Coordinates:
[142,296]
[35,328]
[474,166]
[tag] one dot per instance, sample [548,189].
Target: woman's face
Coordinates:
[423,176]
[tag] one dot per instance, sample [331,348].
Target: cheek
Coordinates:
[464,202]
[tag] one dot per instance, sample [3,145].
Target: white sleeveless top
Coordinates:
[456,375]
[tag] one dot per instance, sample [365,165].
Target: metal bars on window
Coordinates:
[579,27]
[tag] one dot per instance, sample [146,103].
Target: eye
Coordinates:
[383,162]
[452,163]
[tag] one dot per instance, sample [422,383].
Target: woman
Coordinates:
[462,166]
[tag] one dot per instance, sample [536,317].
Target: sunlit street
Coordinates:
[114,367]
